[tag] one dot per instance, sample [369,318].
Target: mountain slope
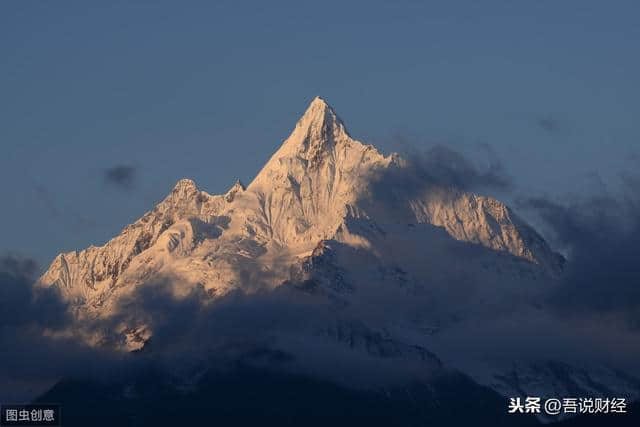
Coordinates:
[82,275]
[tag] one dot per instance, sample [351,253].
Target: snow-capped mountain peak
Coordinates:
[316,139]
[312,189]
[327,217]
[319,123]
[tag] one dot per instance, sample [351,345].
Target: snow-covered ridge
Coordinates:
[80,275]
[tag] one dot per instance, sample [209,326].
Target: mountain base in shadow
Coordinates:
[253,397]
[250,397]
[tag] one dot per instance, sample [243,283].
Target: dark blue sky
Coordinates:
[208,90]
